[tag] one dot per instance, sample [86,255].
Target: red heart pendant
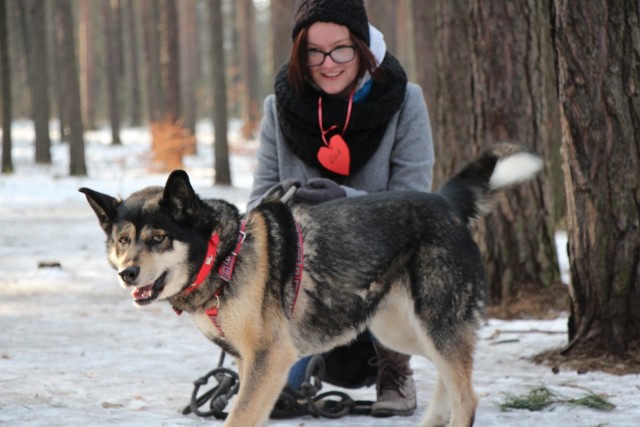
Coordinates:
[335,157]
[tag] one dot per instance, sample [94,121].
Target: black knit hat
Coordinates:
[350,13]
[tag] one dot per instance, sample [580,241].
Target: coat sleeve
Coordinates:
[412,157]
[266,173]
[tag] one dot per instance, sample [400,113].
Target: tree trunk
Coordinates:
[492,86]
[149,13]
[116,36]
[35,12]
[382,14]
[189,61]
[281,17]
[133,51]
[170,60]
[403,29]
[218,69]
[452,113]
[112,66]
[5,88]
[58,95]
[598,79]
[69,84]
[87,65]
[248,68]
[512,102]
[425,47]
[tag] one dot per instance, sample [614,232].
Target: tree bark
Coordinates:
[598,46]
[493,85]
[113,72]
[218,70]
[39,79]
[189,62]
[512,102]
[58,94]
[149,13]
[452,112]
[87,65]
[132,23]
[248,67]
[425,47]
[69,84]
[170,60]
[382,14]
[281,18]
[5,88]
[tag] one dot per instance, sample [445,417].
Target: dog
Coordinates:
[281,282]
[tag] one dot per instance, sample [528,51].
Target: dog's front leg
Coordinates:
[262,376]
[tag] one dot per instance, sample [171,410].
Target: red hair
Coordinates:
[298,73]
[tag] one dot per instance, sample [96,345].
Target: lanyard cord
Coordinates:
[324,132]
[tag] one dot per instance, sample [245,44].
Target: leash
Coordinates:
[219,396]
[290,404]
[332,404]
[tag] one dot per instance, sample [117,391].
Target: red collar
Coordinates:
[226,268]
[206,266]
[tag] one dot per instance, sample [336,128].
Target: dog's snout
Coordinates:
[130,274]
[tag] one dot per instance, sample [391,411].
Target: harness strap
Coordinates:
[225,271]
[297,273]
[226,268]
[213,315]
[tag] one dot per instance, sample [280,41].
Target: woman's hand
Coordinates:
[318,190]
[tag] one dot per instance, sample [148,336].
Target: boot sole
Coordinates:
[384,413]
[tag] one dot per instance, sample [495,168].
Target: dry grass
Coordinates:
[170,142]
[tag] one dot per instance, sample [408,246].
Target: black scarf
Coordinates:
[298,117]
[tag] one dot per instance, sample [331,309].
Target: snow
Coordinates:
[75,352]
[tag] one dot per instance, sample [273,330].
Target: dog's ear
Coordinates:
[179,197]
[104,206]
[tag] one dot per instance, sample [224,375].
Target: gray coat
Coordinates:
[403,161]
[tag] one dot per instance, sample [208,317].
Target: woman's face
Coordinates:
[331,77]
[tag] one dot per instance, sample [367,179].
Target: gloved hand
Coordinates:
[280,189]
[318,190]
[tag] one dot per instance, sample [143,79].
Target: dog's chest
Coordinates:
[206,325]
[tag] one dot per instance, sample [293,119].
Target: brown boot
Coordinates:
[395,387]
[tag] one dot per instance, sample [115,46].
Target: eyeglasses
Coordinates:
[339,55]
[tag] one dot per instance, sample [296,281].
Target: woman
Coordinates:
[344,121]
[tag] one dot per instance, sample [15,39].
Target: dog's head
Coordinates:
[157,237]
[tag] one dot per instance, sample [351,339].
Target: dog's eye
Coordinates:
[124,240]
[158,238]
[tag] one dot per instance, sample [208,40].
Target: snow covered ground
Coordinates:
[75,352]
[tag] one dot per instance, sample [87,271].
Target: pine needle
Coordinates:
[537,399]
[594,401]
[541,397]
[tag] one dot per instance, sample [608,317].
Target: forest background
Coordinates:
[560,76]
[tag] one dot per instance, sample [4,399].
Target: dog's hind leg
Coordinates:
[397,326]
[439,408]
[262,376]
[454,390]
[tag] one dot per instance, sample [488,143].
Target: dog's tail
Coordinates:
[471,191]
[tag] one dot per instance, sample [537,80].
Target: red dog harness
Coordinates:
[225,271]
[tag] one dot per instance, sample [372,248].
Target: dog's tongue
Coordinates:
[142,293]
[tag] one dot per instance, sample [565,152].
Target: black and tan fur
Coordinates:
[402,264]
